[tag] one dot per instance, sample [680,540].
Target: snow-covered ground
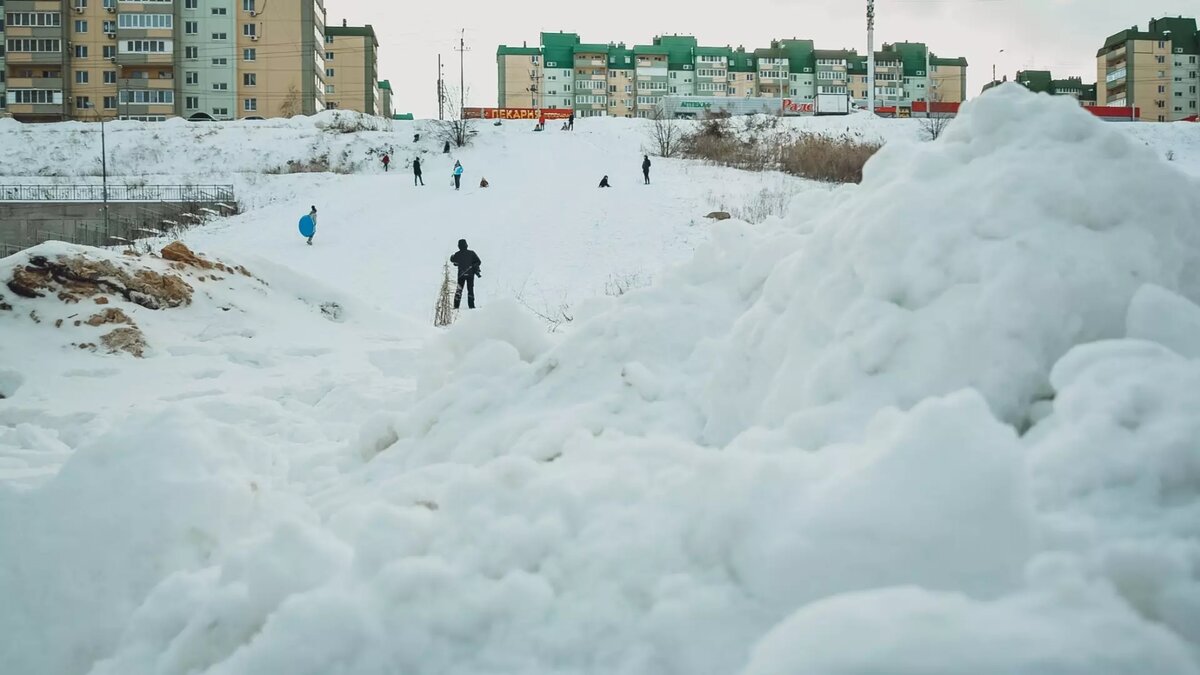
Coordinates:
[941,422]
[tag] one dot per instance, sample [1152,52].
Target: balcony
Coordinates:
[590,62]
[36,109]
[1112,59]
[147,83]
[34,58]
[52,83]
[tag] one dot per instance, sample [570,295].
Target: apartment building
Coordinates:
[3,70]
[352,69]
[612,79]
[385,99]
[154,59]
[1156,70]
[1044,82]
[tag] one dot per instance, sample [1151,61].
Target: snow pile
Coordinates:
[940,422]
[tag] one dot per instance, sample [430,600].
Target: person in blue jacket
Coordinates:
[458,172]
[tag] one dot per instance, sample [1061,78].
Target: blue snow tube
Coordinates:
[307,227]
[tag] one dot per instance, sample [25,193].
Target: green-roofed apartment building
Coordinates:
[1044,82]
[1155,70]
[595,79]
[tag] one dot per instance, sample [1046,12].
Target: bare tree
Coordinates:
[932,124]
[291,104]
[665,132]
[456,128]
[443,313]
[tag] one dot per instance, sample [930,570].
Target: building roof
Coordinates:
[560,39]
[353,31]
[504,50]
[912,54]
[1181,31]
[800,55]
[742,62]
[1035,80]
[384,84]
[843,54]
[591,48]
[935,60]
[651,49]
[617,55]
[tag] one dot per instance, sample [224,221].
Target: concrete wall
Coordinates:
[25,224]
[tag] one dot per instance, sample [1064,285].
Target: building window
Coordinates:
[249,29]
[249,54]
[192,102]
[250,105]
[249,79]
[35,19]
[220,86]
[147,47]
[219,11]
[1160,59]
[221,61]
[148,96]
[220,36]
[82,102]
[191,77]
[110,27]
[221,112]
[191,27]
[81,26]
[191,53]
[110,51]
[1161,89]
[110,102]
[248,5]
[328,56]
[81,51]
[110,77]
[191,4]
[329,89]
[329,72]
[145,21]
[81,77]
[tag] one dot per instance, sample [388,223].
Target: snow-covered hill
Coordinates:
[941,422]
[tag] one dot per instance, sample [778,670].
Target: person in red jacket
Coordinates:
[386,160]
[542,122]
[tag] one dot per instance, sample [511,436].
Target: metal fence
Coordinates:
[194,194]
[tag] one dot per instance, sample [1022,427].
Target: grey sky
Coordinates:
[1058,35]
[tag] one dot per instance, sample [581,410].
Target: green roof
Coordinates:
[714,51]
[650,49]
[617,55]
[402,116]
[742,62]
[1035,80]
[845,54]
[681,50]
[1181,31]
[800,55]
[592,48]
[504,50]
[939,61]
[384,84]
[355,31]
[912,54]
[559,39]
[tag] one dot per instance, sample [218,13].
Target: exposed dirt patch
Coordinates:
[128,340]
[110,315]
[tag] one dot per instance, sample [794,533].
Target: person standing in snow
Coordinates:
[646,168]
[386,161]
[458,172]
[571,122]
[542,122]
[446,148]
[468,264]
[604,182]
[417,172]
[313,216]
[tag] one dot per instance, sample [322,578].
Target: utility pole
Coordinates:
[871,56]
[441,91]
[928,84]
[462,91]
[103,169]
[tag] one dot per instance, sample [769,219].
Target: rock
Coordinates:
[177,252]
[110,315]
[101,300]
[128,340]
[719,215]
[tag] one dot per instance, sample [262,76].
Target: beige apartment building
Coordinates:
[1155,70]
[352,69]
[198,59]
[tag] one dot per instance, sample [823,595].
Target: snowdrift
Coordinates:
[941,422]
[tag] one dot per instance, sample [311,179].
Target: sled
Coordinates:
[307,227]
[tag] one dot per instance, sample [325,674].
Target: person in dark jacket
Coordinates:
[468,264]
[446,148]
[646,168]
[571,122]
[417,172]
[604,182]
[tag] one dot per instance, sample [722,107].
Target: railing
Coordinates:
[117,193]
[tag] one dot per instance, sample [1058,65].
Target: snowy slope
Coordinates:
[941,422]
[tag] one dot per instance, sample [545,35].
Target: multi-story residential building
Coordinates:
[1156,70]
[1043,82]
[352,69]
[385,99]
[612,79]
[153,59]
[210,62]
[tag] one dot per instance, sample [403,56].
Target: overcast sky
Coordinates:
[1057,35]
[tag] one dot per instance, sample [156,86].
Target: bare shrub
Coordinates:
[666,133]
[831,159]
[932,127]
[616,286]
[456,128]
[443,312]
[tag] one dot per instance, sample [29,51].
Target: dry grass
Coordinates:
[760,144]
[828,159]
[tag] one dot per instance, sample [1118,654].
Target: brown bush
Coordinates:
[831,159]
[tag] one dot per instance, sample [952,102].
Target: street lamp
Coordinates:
[103,167]
[994,68]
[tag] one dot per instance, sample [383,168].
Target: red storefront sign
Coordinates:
[791,107]
[515,113]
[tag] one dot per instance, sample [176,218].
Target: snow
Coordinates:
[941,422]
